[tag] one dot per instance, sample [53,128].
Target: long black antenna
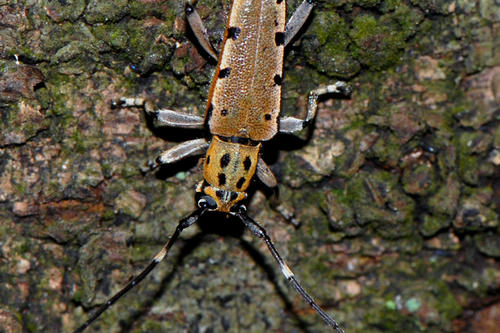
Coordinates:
[260,232]
[183,224]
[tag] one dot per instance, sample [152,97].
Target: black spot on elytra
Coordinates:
[279,1]
[224,160]
[279,38]
[277,80]
[223,112]
[234,195]
[223,73]
[247,163]
[233,33]
[222,179]
[276,23]
[267,116]
[219,194]
[240,182]
[208,159]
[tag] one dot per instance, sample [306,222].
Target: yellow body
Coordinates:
[245,95]
[228,169]
[244,100]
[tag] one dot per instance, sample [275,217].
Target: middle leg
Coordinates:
[165,117]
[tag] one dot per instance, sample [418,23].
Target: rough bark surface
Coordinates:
[396,188]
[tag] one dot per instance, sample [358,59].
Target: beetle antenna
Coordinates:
[260,232]
[183,224]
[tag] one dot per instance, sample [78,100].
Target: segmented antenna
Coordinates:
[183,224]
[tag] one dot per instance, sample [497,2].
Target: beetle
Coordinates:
[242,112]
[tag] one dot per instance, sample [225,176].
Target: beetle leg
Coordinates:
[165,117]
[265,174]
[267,177]
[260,232]
[179,152]
[297,20]
[199,30]
[178,119]
[291,124]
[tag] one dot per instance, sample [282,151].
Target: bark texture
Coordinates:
[396,188]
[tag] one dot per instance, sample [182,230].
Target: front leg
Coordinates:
[171,119]
[291,125]
[297,20]
[199,31]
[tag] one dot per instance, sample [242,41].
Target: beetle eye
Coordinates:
[207,202]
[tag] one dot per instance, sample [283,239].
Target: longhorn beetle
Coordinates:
[242,111]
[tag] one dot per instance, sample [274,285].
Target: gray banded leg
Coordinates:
[297,20]
[267,177]
[183,224]
[182,150]
[265,174]
[291,124]
[165,117]
[199,30]
[260,232]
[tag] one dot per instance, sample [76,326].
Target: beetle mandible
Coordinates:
[242,111]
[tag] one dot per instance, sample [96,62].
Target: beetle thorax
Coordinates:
[227,171]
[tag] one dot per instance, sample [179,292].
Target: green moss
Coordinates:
[378,43]
[115,35]
[108,215]
[24,247]
[390,5]
[432,224]
[470,162]
[129,170]
[79,144]
[21,188]
[446,303]
[386,150]
[297,172]
[390,304]
[140,9]
[408,19]
[420,179]
[488,244]
[66,10]
[433,6]
[326,46]
[77,296]
[383,319]
[377,199]
[368,3]
[105,11]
